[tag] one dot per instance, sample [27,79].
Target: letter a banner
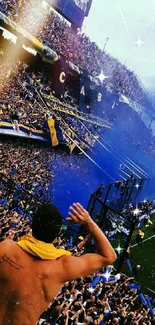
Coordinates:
[85,98]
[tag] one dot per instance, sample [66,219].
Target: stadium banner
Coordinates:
[15,128]
[96,99]
[59,75]
[100,100]
[85,98]
[5,125]
[103,102]
[106,102]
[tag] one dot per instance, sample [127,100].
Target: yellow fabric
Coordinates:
[141,233]
[101,317]
[40,249]
[53,134]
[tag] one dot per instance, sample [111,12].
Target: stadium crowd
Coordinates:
[20,103]
[28,164]
[105,298]
[114,301]
[108,302]
[102,299]
[39,20]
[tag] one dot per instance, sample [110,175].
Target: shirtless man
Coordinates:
[29,284]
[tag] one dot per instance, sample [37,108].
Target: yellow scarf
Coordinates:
[40,249]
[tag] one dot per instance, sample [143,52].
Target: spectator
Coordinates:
[46,225]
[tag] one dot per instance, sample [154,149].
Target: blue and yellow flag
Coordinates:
[53,132]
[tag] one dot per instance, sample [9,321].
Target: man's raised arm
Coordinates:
[75,267]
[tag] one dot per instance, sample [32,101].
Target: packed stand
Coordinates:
[144,208]
[28,165]
[13,224]
[23,105]
[84,134]
[114,302]
[75,46]
[20,104]
[105,298]
[82,4]
[102,299]
[16,100]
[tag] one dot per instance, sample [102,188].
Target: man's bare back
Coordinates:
[28,284]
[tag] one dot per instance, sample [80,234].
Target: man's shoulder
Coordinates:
[5,244]
[55,266]
[65,259]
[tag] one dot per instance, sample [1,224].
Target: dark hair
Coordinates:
[46,223]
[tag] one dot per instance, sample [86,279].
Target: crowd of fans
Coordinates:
[113,301]
[39,20]
[144,208]
[15,99]
[27,164]
[95,300]
[13,224]
[20,102]
[82,4]
[23,105]
[114,223]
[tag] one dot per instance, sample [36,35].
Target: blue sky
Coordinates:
[124,21]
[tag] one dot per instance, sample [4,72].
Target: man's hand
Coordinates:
[87,264]
[78,214]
